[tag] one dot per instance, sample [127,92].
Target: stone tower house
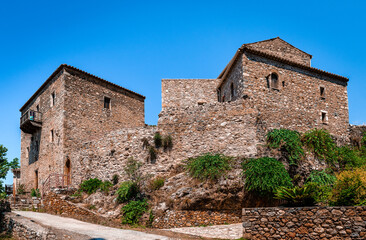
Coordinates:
[277,80]
[70,108]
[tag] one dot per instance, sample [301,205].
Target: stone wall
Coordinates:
[175,218]
[305,222]
[356,134]
[24,229]
[188,92]
[227,128]
[54,204]
[108,155]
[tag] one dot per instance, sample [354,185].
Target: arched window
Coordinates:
[232,90]
[274,81]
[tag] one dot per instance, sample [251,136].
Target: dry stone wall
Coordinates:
[305,223]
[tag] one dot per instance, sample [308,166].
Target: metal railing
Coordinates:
[55,180]
[31,116]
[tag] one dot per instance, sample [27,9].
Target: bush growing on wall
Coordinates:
[157,183]
[208,166]
[167,143]
[321,143]
[115,179]
[288,141]
[348,157]
[158,140]
[90,186]
[127,191]
[264,175]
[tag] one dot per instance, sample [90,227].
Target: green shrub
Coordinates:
[105,186]
[325,183]
[90,186]
[288,141]
[35,193]
[158,140]
[115,179]
[298,196]
[157,183]
[208,166]
[132,211]
[321,143]
[347,157]
[350,188]
[265,175]
[127,191]
[322,178]
[167,143]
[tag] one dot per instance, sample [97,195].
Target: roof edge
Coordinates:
[243,48]
[65,66]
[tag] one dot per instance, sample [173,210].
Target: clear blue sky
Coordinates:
[137,43]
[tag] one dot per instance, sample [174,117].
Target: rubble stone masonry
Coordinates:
[188,92]
[304,223]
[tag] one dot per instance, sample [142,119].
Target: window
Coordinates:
[232,90]
[107,103]
[52,137]
[283,83]
[53,98]
[37,108]
[324,117]
[322,92]
[274,81]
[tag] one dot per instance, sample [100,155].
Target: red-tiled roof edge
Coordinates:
[228,67]
[61,67]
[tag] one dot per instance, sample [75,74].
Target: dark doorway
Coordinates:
[36,179]
[67,172]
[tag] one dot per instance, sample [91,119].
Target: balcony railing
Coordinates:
[30,120]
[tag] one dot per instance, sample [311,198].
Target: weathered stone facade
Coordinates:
[72,106]
[267,85]
[179,93]
[305,223]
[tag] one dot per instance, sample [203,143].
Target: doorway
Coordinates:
[67,172]
[36,179]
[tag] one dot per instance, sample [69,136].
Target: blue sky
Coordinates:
[137,43]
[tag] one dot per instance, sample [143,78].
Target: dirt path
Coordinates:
[88,229]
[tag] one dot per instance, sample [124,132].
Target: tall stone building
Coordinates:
[70,108]
[80,126]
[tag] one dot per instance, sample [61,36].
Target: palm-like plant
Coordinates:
[298,196]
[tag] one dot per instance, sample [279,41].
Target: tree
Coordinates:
[5,166]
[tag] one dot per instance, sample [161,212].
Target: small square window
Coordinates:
[107,103]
